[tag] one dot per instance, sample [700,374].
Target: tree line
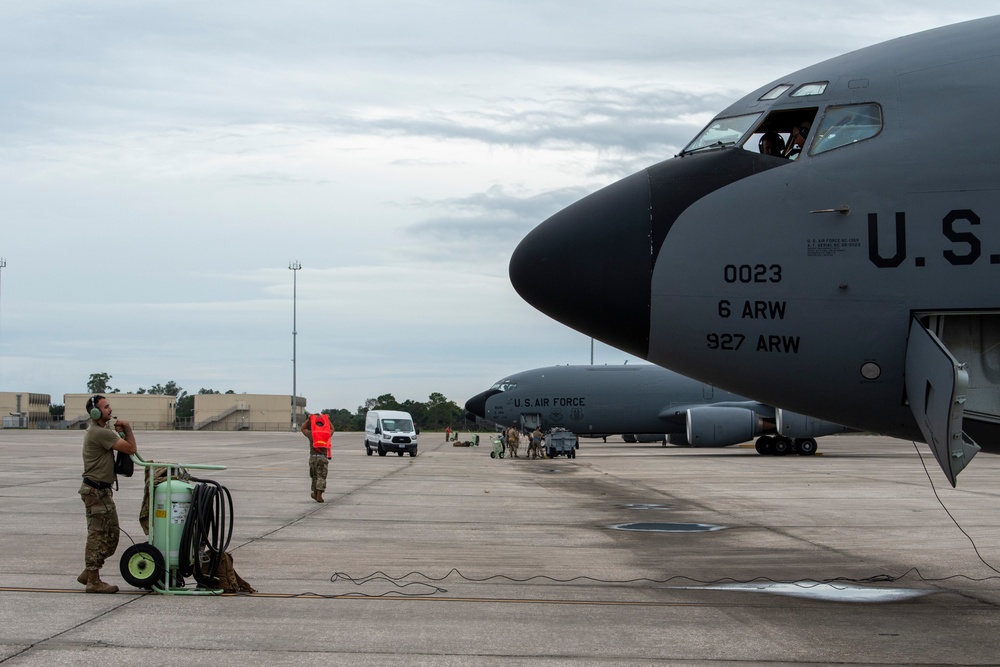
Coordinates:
[433,415]
[100,383]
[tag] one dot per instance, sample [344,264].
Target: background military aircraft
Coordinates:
[856,283]
[643,400]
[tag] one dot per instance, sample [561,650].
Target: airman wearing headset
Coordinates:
[99,445]
[771,143]
[797,139]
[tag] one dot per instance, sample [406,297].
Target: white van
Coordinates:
[390,431]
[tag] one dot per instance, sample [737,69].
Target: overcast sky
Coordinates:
[161,163]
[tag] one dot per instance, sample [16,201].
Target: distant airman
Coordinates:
[513,440]
[535,444]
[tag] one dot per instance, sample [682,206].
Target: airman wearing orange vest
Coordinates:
[319,430]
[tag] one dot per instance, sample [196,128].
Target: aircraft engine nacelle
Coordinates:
[722,426]
[795,426]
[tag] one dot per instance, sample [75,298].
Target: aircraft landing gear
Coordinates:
[806,447]
[764,445]
[768,445]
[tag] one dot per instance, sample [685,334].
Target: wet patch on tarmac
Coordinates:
[665,527]
[813,590]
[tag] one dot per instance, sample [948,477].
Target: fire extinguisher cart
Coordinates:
[180,507]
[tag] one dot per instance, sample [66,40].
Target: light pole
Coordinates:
[294,266]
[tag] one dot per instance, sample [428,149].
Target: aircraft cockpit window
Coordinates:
[775,92]
[809,89]
[847,125]
[722,132]
[504,385]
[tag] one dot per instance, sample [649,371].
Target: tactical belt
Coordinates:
[96,485]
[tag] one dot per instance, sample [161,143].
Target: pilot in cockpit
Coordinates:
[771,143]
[797,139]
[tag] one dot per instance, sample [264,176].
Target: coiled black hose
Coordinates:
[207,531]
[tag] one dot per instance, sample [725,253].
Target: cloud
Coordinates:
[161,163]
[490,222]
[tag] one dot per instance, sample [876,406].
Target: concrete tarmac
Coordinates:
[517,562]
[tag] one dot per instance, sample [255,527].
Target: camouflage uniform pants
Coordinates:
[534,450]
[318,466]
[102,526]
[512,446]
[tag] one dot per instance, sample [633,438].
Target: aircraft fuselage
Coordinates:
[796,281]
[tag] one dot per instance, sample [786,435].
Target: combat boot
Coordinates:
[319,497]
[83,577]
[312,494]
[95,585]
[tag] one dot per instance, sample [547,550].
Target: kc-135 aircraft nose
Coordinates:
[476,406]
[588,266]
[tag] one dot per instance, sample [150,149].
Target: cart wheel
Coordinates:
[493,455]
[501,454]
[142,565]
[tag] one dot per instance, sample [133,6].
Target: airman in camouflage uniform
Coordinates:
[319,430]
[99,445]
[513,440]
[535,445]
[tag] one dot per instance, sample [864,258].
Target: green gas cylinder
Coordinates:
[169,517]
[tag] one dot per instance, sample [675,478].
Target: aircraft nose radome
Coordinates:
[589,265]
[476,405]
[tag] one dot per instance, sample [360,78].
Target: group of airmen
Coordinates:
[513,437]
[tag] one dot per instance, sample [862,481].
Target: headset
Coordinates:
[774,137]
[95,412]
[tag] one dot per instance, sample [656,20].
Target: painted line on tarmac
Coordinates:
[397,598]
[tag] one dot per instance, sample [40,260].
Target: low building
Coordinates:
[246,412]
[145,412]
[22,409]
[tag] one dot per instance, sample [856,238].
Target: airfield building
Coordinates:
[22,409]
[246,412]
[146,412]
[212,412]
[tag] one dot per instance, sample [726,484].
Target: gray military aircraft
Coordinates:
[855,283]
[643,400]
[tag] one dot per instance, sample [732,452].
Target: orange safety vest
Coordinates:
[321,432]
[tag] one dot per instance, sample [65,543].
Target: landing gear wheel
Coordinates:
[142,566]
[764,445]
[782,446]
[807,447]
